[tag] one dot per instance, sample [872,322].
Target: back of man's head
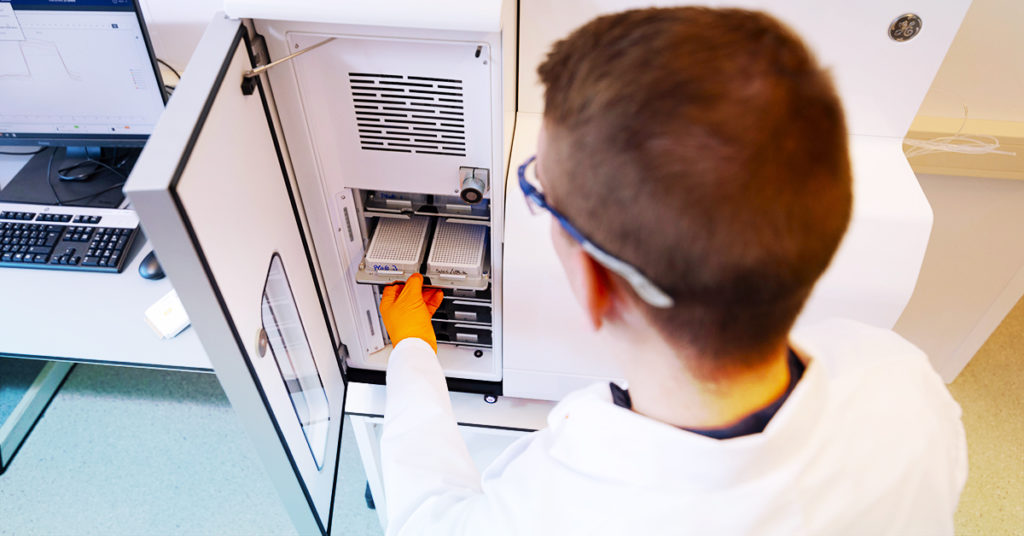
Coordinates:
[708,149]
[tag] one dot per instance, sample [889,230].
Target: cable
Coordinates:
[49,179]
[37,151]
[957,143]
[94,194]
[972,144]
[168,66]
[61,172]
[168,88]
[113,169]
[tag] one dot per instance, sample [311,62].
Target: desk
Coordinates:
[67,316]
[88,316]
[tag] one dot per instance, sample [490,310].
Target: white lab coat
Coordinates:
[868,443]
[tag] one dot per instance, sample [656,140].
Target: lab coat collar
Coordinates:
[588,430]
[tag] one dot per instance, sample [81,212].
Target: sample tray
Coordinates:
[458,256]
[396,250]
[457,252]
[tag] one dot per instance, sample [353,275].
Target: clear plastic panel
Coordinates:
[290,349]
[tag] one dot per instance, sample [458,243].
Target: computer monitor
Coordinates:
[77,73]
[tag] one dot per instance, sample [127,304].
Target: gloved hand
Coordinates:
[406,310]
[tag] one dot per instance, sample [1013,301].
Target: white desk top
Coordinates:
[88,316]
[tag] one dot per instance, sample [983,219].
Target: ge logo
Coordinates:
[905,27]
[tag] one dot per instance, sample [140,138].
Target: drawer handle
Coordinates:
[467,337]
[469,316]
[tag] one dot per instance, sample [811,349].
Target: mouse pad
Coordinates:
[102,190]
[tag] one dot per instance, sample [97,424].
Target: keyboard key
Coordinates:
[39,249]
[91,261]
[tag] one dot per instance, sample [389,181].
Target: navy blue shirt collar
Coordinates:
[754,423]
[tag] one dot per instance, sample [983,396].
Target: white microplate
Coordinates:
[398,245]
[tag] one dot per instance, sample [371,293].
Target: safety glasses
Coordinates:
[535,200]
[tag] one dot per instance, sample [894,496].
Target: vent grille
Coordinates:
[409,114]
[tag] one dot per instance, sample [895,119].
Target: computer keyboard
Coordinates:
[66,238]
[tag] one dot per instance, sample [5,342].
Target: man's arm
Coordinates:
[426,465]
[423,457]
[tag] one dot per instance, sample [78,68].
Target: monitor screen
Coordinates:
[76,72]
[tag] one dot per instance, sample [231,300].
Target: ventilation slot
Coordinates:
[409,114]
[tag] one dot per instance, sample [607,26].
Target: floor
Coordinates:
[991,392]
[130,451]
[16,375]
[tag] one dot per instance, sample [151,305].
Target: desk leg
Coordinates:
[366,432]
[16,427]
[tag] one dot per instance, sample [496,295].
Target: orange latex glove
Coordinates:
[406,310]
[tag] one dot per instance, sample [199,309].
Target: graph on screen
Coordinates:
[75,72]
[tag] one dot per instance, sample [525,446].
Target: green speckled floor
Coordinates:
[16,375]
[134,451]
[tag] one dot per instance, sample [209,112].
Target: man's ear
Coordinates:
[596,286]
[589,280]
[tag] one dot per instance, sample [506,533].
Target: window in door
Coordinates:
[289,347]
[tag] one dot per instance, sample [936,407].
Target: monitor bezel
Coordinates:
[27,139]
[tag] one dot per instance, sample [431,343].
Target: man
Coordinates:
[695,165]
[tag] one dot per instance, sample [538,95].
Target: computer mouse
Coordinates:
[149,268]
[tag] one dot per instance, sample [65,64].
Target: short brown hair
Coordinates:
[707,148]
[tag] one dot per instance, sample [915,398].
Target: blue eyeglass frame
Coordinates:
[645,289]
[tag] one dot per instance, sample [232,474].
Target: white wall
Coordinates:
[973,271]
[984,67]
[175,27]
